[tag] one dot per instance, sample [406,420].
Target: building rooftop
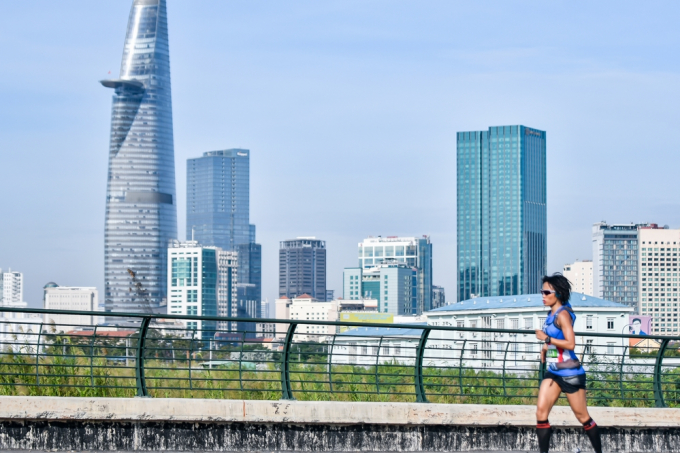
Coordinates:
[577,300]
[384,331]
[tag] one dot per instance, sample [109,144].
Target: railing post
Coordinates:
[658,391]
[623,358]
[94,338]
[286,389]
[421,397]
[139,362]
[37,357]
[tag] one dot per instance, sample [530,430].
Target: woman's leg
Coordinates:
[577,401]
[547,396]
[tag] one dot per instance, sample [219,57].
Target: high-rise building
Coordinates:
[201,282]
[12,288]
[250,267]
[330,295]
[438,297]
[501,211]
[70,298]
[580,274]
[218,198]
[248,306]
[218,209]
[413,251]
[615,262]
[141,216]
[302,268]
[392,283]
[658,282]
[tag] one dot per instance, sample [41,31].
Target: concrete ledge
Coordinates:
[315,412]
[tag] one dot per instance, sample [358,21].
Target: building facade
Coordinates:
[302,268]
[305,308]
[218,198]
[202,282]
[70,298]
[393,284]
[580,274]
[218,209]
[615,262]
[492,350]
[658,285]
[141,216]
[12,289]
[412,251]
[501,211]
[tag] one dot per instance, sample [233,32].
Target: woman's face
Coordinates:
[550,299]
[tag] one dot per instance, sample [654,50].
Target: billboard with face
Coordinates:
[639,325]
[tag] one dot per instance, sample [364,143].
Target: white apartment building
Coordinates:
[12,289]
[658,283]
[306,308]
[366,345]
[201,282]
[70,298]
[580,274]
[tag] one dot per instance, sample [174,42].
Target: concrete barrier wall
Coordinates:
[51,423]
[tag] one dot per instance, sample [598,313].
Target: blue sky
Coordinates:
[350,109]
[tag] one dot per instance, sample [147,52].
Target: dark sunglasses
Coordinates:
[546,292]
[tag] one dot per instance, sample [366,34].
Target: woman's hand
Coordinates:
[541,335]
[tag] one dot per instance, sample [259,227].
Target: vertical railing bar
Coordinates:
[139,363]
[94,338]
[505,356]
[240,362]
[330,364]
[191,356]
[377,363]
[623,358]
[37,357]
[286,389]
[658,390]
[421,397]
[460,368]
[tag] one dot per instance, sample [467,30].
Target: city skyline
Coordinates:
[330,100]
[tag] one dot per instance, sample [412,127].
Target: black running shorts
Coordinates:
[568,384]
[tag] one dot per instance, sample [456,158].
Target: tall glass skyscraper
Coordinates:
[218,198]
[502,230]
[218,210]
[141,216]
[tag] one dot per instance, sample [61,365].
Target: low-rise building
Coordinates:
[306,308]
[70,298]
[495,350]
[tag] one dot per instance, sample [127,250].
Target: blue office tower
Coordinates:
[502,230]
[141,216]
[218,198]
[218,210]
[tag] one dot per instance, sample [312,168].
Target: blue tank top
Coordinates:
[555,354]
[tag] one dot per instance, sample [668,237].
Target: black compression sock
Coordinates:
[543,432]
[593,433]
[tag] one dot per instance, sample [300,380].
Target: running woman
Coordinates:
[564,372]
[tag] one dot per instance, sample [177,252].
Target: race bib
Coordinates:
[551,355]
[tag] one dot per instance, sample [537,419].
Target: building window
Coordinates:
[589,323]
[610,348]
[589,347]
[610,323]
[528,323]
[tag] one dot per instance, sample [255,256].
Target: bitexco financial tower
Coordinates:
[141,215]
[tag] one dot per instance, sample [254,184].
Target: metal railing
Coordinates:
[75,353]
